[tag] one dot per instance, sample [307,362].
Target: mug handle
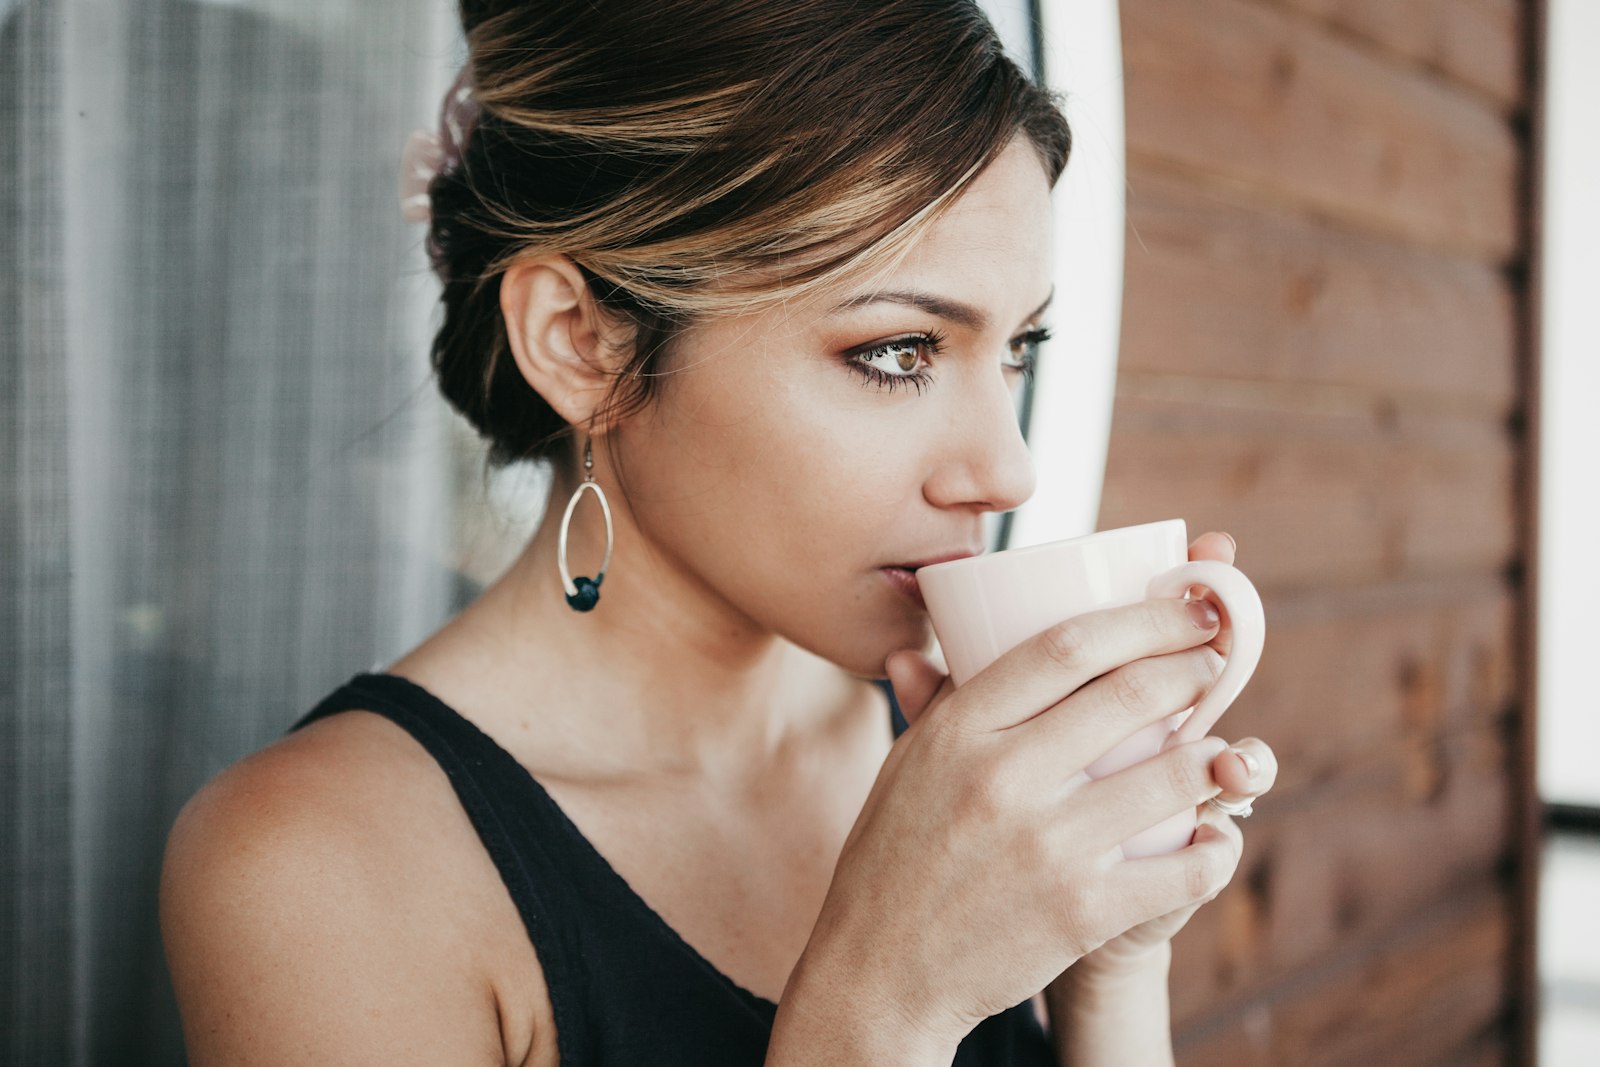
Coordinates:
[1246,619]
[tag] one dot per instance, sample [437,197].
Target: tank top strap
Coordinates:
[500,798]
[624,986]
[896,719]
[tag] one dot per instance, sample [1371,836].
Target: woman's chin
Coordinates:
[865,658]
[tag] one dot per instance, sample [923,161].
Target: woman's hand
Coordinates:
[1245,771]
[1238,782]
[985,862]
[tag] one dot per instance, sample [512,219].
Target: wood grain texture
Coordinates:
[1376,851]
[1488,1049]
[1476,43]
[1317,496]
[1243,93]
[1415,997]
[1325,306]
[1386,673]
[1227,288]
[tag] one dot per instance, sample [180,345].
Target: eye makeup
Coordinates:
[1029,343]
[907,358]
[918,346]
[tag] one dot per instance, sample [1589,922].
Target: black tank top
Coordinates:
[625,987]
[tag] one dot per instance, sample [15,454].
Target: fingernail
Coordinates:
[1231,541]
[1251,766]
[1203,615]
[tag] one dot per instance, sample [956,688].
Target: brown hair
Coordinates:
[696,156]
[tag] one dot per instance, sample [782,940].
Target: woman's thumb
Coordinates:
[916,680]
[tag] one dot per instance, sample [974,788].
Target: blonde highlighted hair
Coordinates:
[697,157]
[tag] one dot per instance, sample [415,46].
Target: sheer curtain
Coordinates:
[228,482]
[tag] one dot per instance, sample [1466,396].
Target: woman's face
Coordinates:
[793,457]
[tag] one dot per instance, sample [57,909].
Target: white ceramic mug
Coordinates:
[984,606]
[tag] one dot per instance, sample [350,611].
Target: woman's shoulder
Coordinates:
[326,892]
[341,785]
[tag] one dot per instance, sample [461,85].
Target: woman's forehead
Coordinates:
[992,244]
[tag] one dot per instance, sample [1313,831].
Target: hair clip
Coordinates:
[427,153]
[419,162]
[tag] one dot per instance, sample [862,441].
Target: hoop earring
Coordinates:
[583,593]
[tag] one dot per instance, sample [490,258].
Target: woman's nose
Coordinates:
[984,464]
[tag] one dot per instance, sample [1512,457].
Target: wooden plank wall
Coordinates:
[1322,348]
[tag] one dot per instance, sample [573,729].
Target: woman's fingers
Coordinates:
[1116,807]
[1213,545]
[1245,771]
[1222,548]
[1159,885]
[1049,667]
[1113,707]
[916,681]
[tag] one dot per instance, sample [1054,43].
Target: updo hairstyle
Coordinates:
[702,156]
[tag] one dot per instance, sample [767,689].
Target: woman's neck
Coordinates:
[662,678]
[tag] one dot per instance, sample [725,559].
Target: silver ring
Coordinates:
[1241,810]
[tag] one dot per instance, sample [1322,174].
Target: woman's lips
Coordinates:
[903,576]
[905,583]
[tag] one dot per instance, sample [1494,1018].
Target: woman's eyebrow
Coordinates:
[954,310]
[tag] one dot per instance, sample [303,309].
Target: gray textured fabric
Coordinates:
[226,476]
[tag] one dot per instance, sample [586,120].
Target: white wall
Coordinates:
[1071,419]
[1569,585]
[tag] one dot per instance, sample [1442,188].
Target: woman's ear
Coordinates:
[562,345]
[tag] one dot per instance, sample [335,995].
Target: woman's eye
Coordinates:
[1026,348]
[901,357]
[903,361]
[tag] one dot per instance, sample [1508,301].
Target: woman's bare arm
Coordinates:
[1105,1017]
[836,1013]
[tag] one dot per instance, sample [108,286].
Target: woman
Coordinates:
[765,275]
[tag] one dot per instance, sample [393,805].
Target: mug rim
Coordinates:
[1113,534]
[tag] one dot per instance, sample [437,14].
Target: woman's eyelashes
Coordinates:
[905,361]
[1026,346]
